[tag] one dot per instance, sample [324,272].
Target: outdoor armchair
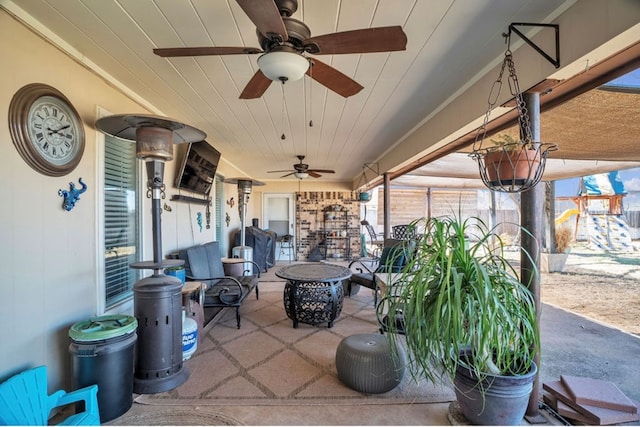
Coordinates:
[203,263]
[24,401]
[393,258]
[375,239]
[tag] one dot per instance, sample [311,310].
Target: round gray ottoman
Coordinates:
[365,363]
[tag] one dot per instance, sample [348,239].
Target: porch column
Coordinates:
[551,229]
[387,205]
[531,215]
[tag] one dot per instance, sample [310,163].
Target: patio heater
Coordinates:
[245,185]
[157,298]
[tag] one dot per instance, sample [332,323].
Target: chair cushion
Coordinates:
[203,261]
[215,259]
[394,250]
[363,279]
[397,250]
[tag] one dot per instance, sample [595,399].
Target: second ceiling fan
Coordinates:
[302,170]
[284,40]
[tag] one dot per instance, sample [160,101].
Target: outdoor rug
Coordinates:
[268,362]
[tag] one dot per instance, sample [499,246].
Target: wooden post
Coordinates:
[531,213]
[387,205]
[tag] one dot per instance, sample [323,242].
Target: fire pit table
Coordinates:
[314,292]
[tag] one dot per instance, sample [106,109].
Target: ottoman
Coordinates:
[365,363]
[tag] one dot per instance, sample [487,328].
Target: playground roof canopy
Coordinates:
[604,184]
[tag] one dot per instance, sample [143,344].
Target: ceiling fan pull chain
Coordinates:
[283,137]
[310,92]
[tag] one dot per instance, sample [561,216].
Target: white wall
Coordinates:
[48,254]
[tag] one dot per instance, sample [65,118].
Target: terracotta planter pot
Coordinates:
[505,167]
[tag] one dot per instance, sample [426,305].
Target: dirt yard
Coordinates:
[604,287]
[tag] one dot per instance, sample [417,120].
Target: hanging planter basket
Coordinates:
[364,196]
[510,165]
[513,167]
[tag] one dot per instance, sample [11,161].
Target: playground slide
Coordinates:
[609,233]
[566,215]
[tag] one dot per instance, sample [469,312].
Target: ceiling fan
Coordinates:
[285,40]
[301,170]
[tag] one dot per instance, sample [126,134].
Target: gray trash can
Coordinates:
[103,353]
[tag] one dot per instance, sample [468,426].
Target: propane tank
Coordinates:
[189,336]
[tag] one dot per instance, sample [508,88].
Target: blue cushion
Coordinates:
[398,251]
[216,269]
[201,262]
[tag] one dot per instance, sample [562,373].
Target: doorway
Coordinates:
[279,216]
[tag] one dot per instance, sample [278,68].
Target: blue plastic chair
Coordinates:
[24,401]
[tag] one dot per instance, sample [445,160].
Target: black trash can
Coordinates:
[103,353]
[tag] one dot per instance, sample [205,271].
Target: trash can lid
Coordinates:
[103,327]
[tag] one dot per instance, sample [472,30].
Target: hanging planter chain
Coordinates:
[510,166]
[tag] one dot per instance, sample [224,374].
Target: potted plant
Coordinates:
[468,319]
[511,162]
[554,261]
[176,271]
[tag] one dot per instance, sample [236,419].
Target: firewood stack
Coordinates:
[590,401]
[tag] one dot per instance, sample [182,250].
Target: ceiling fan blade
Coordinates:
[321,170]
[258,84]
[367,40]
[289,174]
[265,14]
[314,174]
[207,50]
[288,170]
[333,79]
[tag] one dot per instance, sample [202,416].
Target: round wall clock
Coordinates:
[46,130]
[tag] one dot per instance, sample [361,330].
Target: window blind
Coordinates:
[121,224]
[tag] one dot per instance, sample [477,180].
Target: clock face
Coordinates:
[53,130]
[46,130]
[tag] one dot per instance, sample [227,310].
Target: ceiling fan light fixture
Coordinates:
[301,175]
[283,66]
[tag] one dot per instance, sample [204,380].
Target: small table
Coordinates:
[233,266]
[313,293]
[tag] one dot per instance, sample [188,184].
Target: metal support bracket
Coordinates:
[556,61]
[187,199]
[373,167]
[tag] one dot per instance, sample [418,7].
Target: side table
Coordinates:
[233,266]
[313,293]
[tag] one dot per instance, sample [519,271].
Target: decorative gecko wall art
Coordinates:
[72,196]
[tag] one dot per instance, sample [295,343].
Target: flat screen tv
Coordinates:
[198,168]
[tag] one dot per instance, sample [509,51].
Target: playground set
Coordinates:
[599,201]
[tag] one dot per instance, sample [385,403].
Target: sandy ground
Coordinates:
[603,286]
